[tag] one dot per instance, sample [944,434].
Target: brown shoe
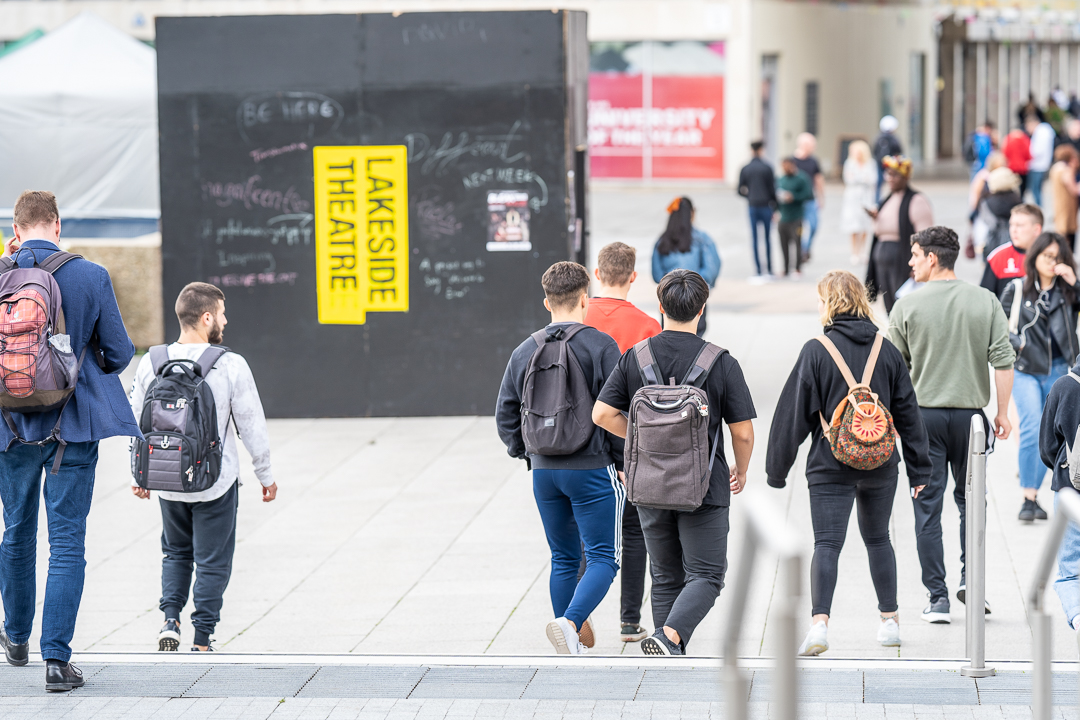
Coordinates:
[585,634]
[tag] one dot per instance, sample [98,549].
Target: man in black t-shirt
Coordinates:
[688,550]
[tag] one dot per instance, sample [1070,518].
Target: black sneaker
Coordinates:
[209,648]
[937,612]
[1027,511]
[961,595]
[168,640]
[659,644]
[632,632]
[1040,514]
[17,654]
[62,676]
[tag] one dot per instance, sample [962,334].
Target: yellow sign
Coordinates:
[361,232]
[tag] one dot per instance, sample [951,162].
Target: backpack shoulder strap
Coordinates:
[650,373]
[159,355]
[6,263]
[838,359]
[703,363]
[57,260]
[539,337]
[1017,302]
[208,358]
[871,362]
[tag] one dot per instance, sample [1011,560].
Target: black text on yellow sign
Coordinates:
[361,232]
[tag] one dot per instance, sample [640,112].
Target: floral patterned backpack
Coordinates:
[861,435]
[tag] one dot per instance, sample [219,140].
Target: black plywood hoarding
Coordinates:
[483,104]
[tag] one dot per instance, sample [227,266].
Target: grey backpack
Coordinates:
[668,456]
[180,450]
[556,405]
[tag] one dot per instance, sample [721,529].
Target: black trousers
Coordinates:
[947,429]
[634,560]
[791,244]
[202,534]
[830,508]
[688,560]
[890,272]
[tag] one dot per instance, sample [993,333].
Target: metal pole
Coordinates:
[736,691]
[785,687]
[1041,700]
[975,598]
[1068,508]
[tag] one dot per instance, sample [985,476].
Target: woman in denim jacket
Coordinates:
[684,247]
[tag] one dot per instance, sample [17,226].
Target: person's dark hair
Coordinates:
[195,299]
[564,282]
[1034,211]
[35,207]
[1031,273]
[989,125]
[757,145]
[942,242]
[680,227]
[682,294]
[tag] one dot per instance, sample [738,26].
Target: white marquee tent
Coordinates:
[78,116]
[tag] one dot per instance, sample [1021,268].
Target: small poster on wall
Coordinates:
[508,221]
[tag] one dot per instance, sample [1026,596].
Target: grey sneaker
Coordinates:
[937,612]
[659,644]
[168,638]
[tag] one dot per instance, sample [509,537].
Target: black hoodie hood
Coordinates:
[858,330]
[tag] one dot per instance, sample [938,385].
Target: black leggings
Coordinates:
[890,271]
[830,508]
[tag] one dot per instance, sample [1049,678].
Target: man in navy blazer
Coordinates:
[98,409]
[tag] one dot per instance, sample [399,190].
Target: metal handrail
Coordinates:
[765,527]
[975,591]
[1067,509]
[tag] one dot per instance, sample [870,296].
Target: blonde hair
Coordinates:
[860,151]
[843,294]
[995,160]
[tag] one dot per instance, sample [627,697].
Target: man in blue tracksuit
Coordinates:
[580,496]
[98,409]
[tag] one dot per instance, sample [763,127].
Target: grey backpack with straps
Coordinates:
[668,456]
[181,448]
[556,405]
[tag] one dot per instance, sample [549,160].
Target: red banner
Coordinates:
[679,135]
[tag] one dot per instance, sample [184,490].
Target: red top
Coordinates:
[622,321]
[1017,151]
[1006,261]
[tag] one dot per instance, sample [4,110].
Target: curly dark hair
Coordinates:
[942,242]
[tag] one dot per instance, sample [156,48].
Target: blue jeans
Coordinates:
[580,506]
[810,223]
[1067,583]
[1030,392]
[1035,180]
[67,503]
[763,216]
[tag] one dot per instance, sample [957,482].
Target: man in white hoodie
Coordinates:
[199,528]
[1042,155]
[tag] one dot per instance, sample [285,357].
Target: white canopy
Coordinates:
[78,116]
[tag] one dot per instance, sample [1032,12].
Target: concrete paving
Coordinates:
[420,536]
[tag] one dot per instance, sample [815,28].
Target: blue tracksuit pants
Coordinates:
[580,506]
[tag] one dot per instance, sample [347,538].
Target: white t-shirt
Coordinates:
[1042,148]
[235,394]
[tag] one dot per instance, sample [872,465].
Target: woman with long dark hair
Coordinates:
[684,247]
[1042,308]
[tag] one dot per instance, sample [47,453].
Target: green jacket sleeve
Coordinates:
[1001,354]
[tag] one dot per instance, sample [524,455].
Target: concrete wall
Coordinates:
[847,49]
[135,267]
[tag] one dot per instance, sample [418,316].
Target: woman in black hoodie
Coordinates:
[813,391]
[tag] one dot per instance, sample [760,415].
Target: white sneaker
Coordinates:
[888,633]
[563,637]
[816,641]
[757,279]
[797,275]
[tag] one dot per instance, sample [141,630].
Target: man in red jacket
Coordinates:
[610,312]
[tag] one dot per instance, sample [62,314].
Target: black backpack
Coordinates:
[556,405]
[181,448]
